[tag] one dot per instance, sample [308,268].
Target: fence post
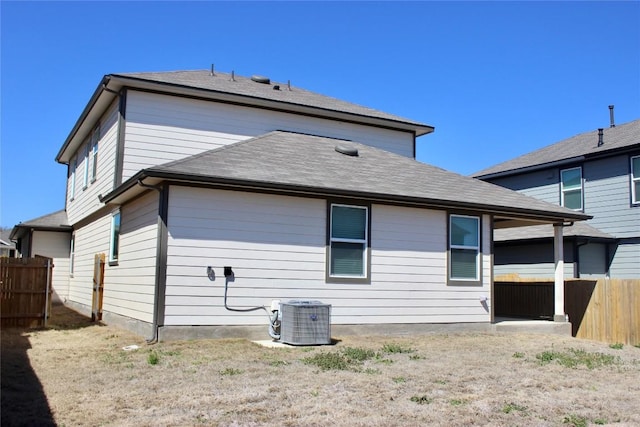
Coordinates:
[47,289]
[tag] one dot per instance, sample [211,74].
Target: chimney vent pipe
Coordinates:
[612,123]
[600,137]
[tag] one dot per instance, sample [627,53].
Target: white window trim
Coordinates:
[477,248]
[72,184]
[113,245]
[364,242]
[635,197]
[564,190]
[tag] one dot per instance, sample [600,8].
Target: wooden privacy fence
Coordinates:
[25,291]
[606,310]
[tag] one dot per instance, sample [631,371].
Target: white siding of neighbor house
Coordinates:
[162,128]
[55,245]
[129,287]
[276,247]
[85,200]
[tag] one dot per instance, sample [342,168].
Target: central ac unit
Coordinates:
[305,323]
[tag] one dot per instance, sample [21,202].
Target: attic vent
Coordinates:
[261,79]
[348,151]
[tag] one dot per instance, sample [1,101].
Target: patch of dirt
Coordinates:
[77,373]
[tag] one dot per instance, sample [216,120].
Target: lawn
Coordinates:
[78,374]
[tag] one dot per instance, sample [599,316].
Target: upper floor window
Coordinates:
[114,244]
[571,188]
[464,248]
[348,242]
[635,180]
[85,174]
[94,153]
[72,179]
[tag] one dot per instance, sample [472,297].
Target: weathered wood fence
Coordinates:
[25,291]
[606,310]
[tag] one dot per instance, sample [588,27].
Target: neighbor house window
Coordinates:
[464,248]
[72,178]
[85,174]
[571,188]
[94,153]
[348,242]
[635,180]
[115,238]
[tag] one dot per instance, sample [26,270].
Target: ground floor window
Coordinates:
[348,242]
[115,238]
[464,248]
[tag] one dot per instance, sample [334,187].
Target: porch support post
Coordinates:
[558,253]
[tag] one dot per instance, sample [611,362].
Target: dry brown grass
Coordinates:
[77,374]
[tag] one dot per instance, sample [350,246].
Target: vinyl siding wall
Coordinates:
[129,286]
[55,245]
[607,197]
[163,128]
[85,201]
[276,246]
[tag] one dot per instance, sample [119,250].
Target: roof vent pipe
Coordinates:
[600,135]
[212,72]
[233,76]
[612,123]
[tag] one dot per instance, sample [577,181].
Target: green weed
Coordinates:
[573,358]
[518,355]
[421,400]
[616,346]
[510,407]
[399,380]
[575,421]
[153,358]
[231,371]
[396,348]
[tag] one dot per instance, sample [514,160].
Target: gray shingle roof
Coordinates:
[311,164]
[52,221]
[287,94]
[585,144]
[578,229]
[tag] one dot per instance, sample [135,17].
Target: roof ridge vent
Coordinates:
[261,79]
[347,151]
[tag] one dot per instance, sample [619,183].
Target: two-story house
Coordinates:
[211,193]
[597,173]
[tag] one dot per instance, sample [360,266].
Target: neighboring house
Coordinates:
[7,247]
[175,176]
[597,173]
[47,236]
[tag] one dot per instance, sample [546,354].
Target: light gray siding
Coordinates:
[543,185]
[129,286]
[163,128]
[607,196]
[626,262]
[276,246]
[85,200]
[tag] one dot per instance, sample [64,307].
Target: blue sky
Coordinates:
[496,79]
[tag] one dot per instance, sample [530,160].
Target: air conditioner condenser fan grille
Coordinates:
[306,323]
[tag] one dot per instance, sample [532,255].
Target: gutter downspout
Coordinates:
[161,258]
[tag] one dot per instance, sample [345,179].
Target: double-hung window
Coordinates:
[94,153]
[85,174]
[348,243]
[571,188]
[464,248]
[72,179]
[114,244]
[635,180]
